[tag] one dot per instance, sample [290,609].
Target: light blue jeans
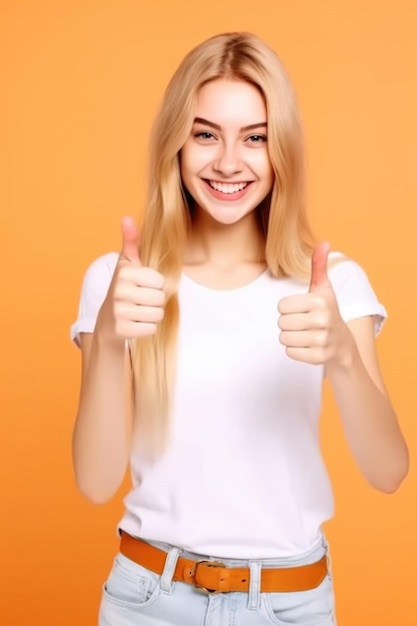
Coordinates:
[134,596]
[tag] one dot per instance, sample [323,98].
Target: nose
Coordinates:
[228,161]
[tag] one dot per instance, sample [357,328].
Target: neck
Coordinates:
[225,244]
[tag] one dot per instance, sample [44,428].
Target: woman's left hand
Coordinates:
[312,329]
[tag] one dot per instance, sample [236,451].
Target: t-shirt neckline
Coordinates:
[241,288]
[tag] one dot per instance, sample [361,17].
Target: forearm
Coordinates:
[101,437]
[370,424]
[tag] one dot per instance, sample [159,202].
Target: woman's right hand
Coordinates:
[135,302]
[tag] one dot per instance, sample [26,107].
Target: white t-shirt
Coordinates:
[243,476]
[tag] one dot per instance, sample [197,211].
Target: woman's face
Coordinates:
[225,164]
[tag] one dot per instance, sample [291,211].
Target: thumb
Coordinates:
[319,260]
[130,239]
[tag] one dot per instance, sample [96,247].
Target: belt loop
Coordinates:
[328,557]
[254,595]
[169,569]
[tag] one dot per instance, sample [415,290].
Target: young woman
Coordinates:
[223,316]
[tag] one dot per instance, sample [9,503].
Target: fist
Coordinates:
[135,301]
[311,328]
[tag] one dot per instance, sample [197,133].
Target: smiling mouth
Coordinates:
[227,188]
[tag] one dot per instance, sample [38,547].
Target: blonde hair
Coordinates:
[288,238]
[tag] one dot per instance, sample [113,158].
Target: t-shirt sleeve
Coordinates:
[355,294]
[94,289]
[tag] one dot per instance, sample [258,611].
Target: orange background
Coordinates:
[81,84]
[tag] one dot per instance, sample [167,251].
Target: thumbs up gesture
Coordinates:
[312,329]
[134,304]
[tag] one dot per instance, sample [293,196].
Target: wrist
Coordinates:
[346,357]
[105,337]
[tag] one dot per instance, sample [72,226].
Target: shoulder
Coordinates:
[103,265]
[344,270]
[99,273]
[341,265]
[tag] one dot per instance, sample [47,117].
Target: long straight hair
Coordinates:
[288,238]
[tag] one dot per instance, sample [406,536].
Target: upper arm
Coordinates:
[361,310]
[363,331]
[95,285]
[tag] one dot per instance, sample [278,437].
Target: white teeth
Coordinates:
[227,187]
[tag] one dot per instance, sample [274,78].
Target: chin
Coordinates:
[227,213]
[228,217]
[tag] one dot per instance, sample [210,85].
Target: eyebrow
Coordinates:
[201,120]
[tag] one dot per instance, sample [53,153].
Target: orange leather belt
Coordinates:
[213,576]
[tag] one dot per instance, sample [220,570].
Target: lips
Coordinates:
[227,192]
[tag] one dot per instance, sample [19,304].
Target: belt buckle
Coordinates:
[194,573]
